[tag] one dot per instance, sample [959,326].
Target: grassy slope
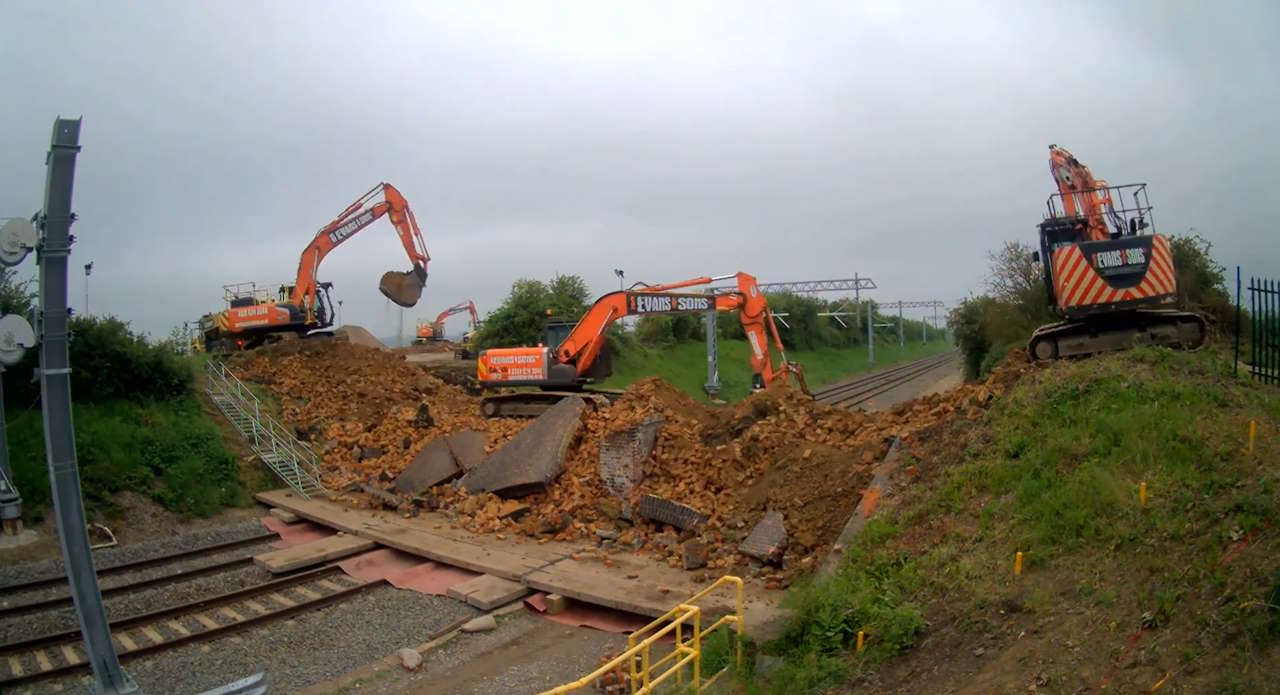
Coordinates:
[1054,472]
[171,451]
[685,365]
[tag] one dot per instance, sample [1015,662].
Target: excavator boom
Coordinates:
[253,315]
[582,356]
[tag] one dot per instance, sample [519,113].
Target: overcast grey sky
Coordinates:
[790,140]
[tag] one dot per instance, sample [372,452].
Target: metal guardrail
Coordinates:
[644,673]
[292,460]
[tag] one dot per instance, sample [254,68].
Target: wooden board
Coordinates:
[634,583]
[487,592]
[284,515]
[313,553]
[654,590]
[428,535]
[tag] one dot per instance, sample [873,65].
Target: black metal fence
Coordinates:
[1261,329]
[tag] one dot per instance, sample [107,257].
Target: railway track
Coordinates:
[859,390]
[126,567]
[61,654]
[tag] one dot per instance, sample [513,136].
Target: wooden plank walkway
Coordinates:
[637,584]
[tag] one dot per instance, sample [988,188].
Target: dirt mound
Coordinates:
[367,412]
[357,335]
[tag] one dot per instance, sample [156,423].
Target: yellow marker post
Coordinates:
[1253,432]
[1017,564]
[1142,494]
[860,635]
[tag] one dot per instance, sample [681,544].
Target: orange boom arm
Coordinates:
[587,339]
[354,218]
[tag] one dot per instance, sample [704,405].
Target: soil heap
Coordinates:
[365,411]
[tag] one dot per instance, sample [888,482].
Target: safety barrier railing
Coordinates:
[645,674]
[295,462]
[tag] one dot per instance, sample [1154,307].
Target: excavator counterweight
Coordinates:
[1108,276]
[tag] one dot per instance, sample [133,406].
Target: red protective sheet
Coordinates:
[294,534]
[580,614]
[404,571]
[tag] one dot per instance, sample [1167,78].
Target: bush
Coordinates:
[518,320]
[170,452]
[109,362]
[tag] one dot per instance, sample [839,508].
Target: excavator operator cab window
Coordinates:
[554,331]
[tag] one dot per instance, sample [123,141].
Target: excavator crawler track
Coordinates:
[1117,331]
[535,403]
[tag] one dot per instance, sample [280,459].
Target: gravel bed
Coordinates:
[17,598]
[134,602]
[124,554]
[306,649]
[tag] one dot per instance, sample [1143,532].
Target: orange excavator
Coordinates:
[565,363]
[255,315]
[1105,271]
[435,330]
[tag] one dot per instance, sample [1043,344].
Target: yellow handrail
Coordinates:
[684,653]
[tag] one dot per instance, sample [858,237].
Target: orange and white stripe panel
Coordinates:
[1077,284]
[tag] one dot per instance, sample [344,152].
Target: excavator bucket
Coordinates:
[403,288]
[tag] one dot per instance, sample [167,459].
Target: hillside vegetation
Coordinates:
[1182,593]
[138,424]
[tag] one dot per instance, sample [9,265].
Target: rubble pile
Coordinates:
[777,455]
[365,411]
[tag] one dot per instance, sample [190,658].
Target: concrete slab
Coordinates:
[467,448]
[284,515]
[430,467]
[487,592]
[532,458]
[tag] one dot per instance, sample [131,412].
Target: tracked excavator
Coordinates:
[572,357]
[434,331]
[255,315]
[1108,275]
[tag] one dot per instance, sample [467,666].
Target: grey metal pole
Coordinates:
[857,297]
[871,336]
[55,398]
[902,341]
[10,498]
[712,387]
[924,331]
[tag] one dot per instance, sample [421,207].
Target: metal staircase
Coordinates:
[292,460]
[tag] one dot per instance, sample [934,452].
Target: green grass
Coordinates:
[685,364]
[1054,472]
[168,450]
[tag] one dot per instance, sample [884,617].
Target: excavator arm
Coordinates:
[1082,194]
[454,310]
[587,338]
[403,288]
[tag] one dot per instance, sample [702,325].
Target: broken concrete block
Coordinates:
[767,540]
[556,604]
[284,515]
[665,511]
[623,453]
[694,554]
[410,659]
[532,458]
[430,467]
[484,623]
[467,448]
